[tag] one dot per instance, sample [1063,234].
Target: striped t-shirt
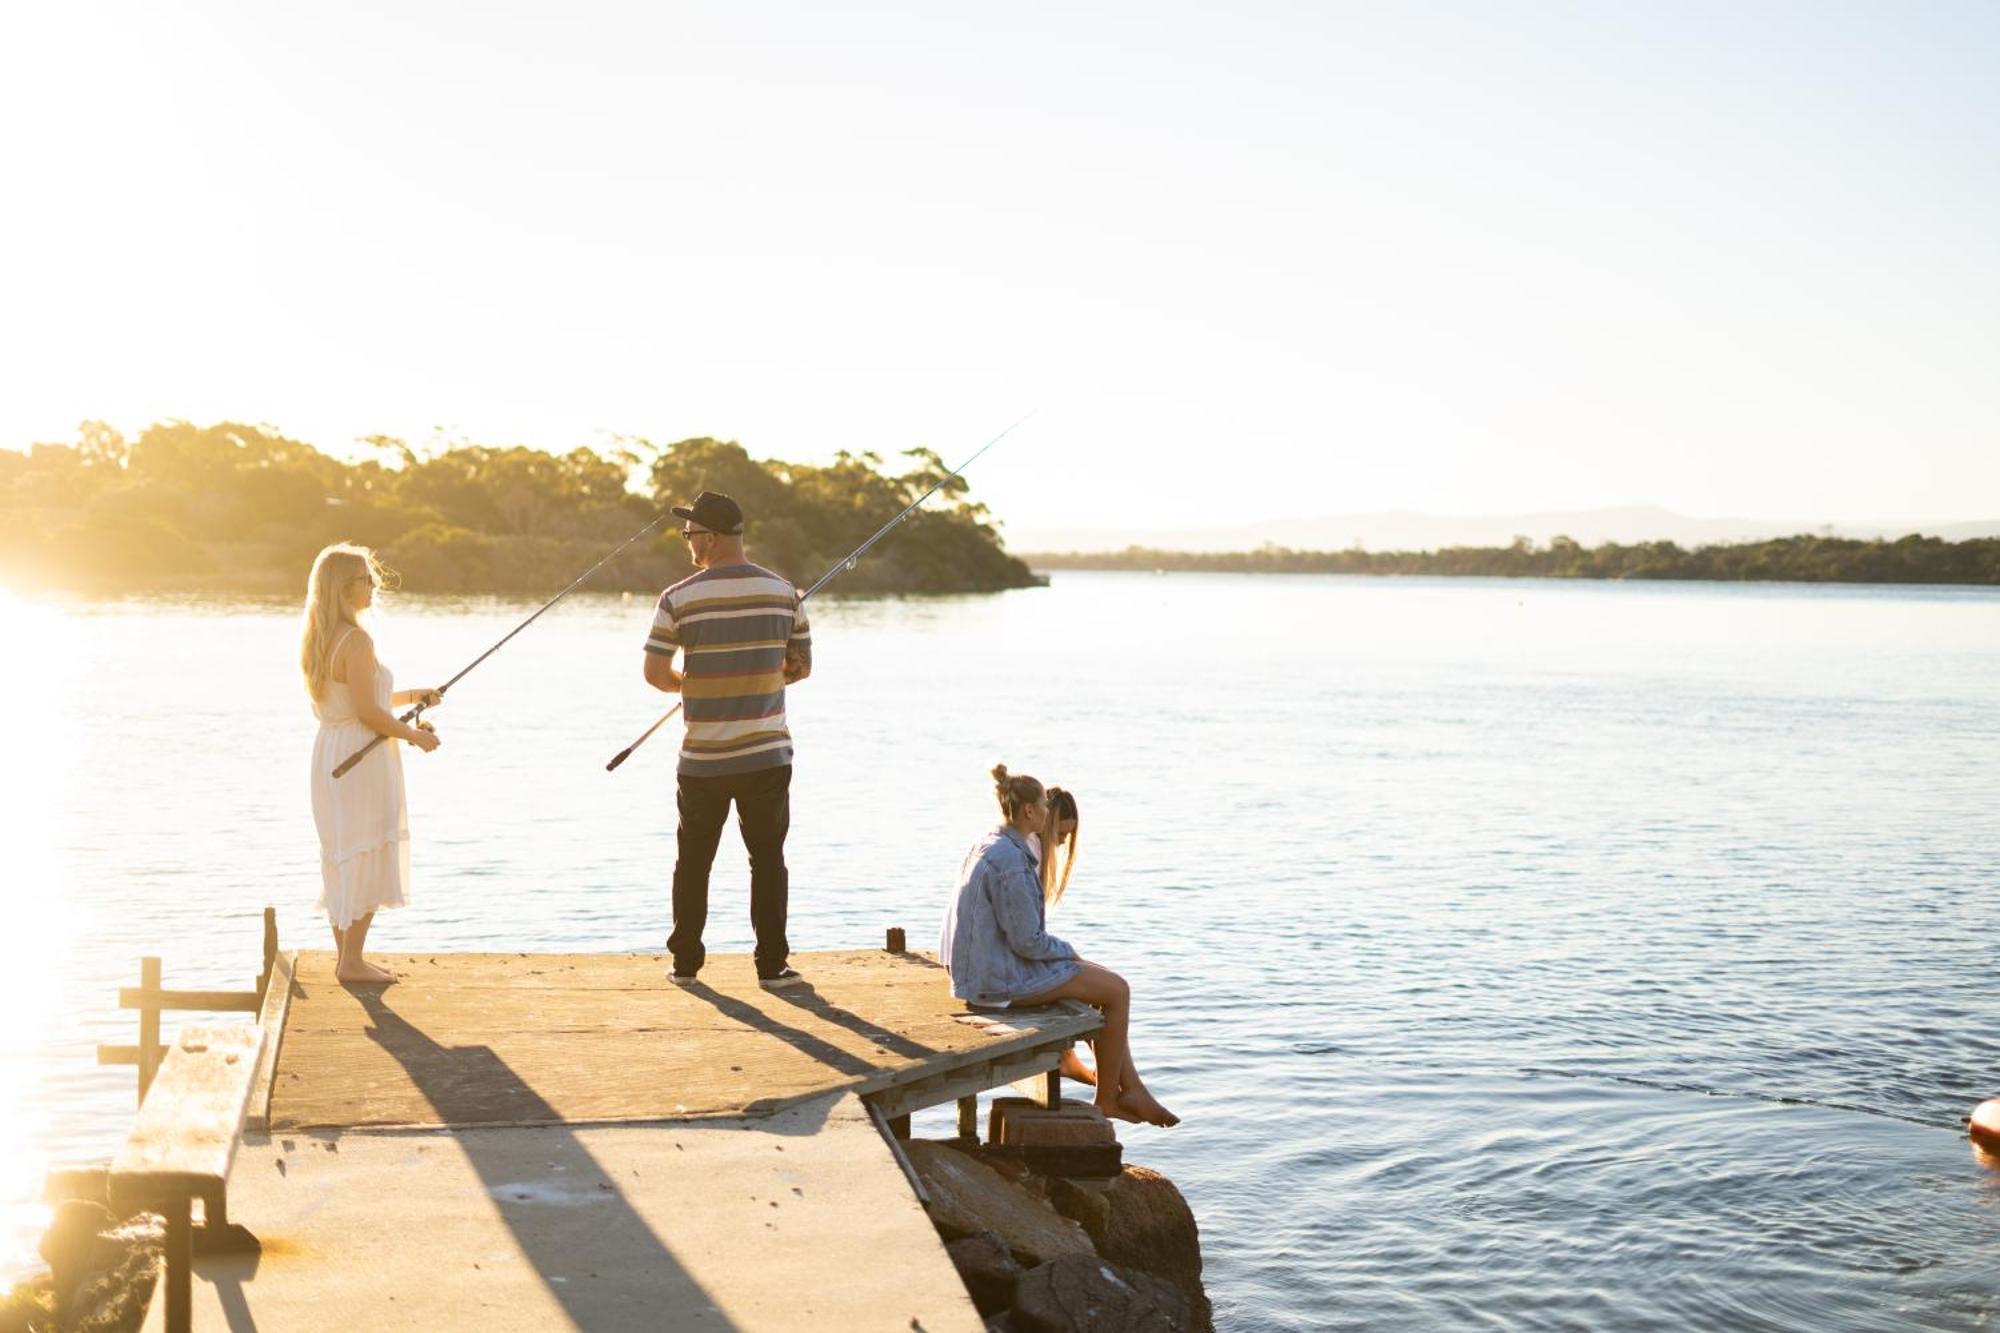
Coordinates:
[734,624]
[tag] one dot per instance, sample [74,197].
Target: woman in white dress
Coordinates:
[364,827]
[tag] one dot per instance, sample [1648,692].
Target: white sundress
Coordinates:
[363,820]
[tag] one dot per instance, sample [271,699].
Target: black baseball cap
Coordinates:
[714,511]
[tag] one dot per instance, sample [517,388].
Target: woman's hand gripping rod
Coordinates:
[418,711]
[852,558]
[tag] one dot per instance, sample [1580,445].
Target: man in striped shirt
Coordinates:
[743,635]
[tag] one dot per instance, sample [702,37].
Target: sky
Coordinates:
[1241,262]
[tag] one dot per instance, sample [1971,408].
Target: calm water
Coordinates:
[1520,955]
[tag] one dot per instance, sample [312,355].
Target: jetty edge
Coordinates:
[535,1141]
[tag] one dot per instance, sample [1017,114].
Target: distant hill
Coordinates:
[1407,530]
[1804,558]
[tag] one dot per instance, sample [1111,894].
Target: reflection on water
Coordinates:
[1520,954]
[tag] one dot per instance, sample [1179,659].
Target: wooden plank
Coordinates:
[149,1028]
[968,1117]
[518,1039]
[186,1132]
[277,1005]
[950,1083]
[119,1055]
[887,1128]
[210,1001]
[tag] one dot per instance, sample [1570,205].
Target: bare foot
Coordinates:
[364,972]
[1139,1105]
[1113,1109]
[1074,1067]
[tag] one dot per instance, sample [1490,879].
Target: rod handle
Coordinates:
[362,753]
[626,753]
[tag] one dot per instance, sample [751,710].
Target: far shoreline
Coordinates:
[1914,560]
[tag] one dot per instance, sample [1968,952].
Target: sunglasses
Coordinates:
[692,533]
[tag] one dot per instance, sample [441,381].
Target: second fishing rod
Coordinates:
[840,567]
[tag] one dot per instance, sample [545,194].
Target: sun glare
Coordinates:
[33,789]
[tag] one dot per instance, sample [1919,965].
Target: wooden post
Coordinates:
[968,1117]
[180,1267]
[1043,1089]
[149,1027]
[270,951]
[895,943]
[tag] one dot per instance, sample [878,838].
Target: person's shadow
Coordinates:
[588,1224]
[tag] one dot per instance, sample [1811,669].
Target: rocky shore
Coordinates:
[102,1271]
[1046,1253]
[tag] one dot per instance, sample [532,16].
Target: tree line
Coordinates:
[245,508]
[1801,559]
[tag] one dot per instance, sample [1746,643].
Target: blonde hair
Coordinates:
[326,613]
[1013,791]
[1062,805]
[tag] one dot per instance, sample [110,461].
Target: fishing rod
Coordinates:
[417,712]
[841,567]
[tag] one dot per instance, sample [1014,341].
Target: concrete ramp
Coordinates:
[799,1219]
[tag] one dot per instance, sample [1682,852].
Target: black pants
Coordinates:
[764,814]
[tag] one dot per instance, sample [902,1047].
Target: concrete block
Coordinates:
[1017,1122]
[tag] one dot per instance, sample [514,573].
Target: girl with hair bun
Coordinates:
[996,945]
[363,822]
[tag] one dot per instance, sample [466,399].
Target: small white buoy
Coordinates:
[1984,1125]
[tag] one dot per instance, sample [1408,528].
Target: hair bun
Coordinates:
[999,772]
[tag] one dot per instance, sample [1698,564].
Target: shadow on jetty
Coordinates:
[466,1078]
[825,1052]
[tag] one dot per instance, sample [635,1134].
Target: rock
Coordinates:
[1151,1228]
[1079,1293]
[29,1306]
[1008,1166]
[1089,1208]
[967,1197]
[120,1272]
[987,1269]
[69,1246]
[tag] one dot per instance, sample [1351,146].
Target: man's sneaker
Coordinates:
[680,978]
[785,980]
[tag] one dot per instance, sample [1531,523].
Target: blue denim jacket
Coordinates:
[993,940]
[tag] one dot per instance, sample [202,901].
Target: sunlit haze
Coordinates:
[35,794]
[1244,261]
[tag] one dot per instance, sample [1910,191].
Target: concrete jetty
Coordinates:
[533,1141]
